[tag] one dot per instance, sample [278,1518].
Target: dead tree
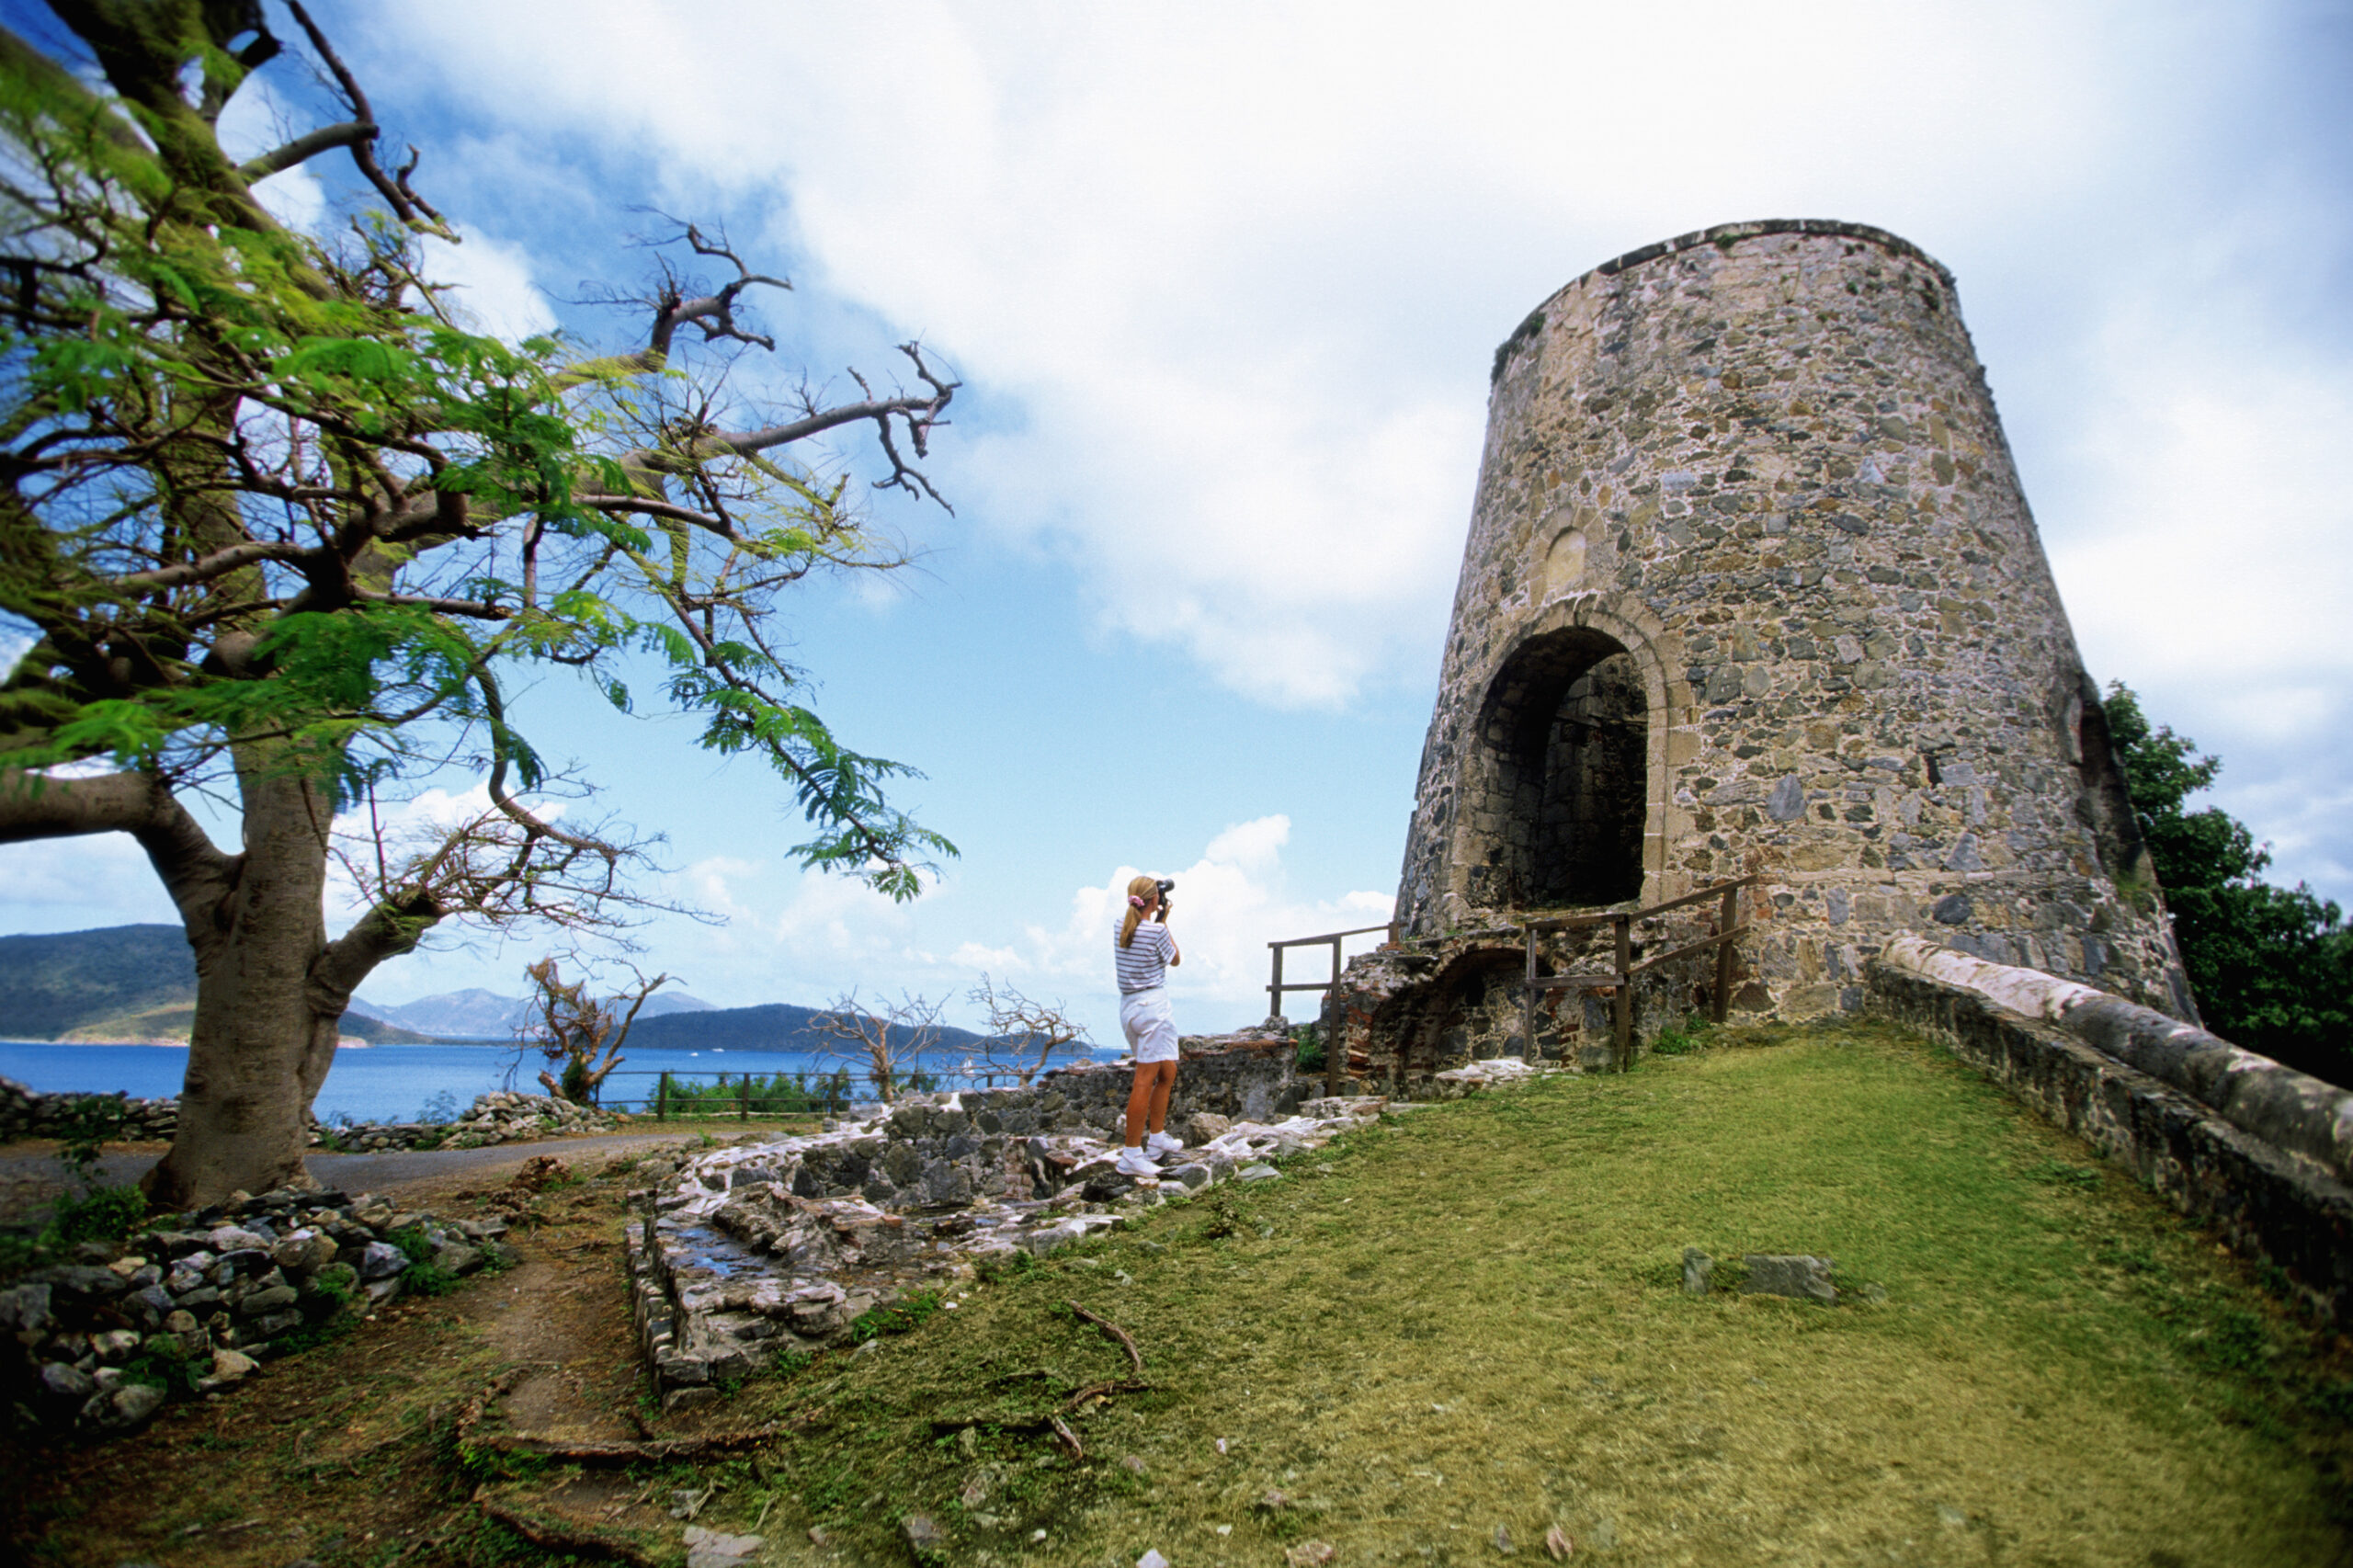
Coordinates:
[573,1027]
[1024,1035]
[886,1042]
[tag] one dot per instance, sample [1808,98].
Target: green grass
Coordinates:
[1471,1316]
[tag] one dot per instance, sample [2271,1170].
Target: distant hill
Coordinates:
[120,983]
[476,1014]
[777,1026]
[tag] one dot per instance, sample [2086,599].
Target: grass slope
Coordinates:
[1470,1318]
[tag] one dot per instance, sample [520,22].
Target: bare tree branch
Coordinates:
[305,147]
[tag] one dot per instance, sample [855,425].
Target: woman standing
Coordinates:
[1142,955]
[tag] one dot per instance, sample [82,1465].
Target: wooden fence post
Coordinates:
[662,1098]
[1528,1000]
[1622,1021]
[742,1098]
[1275,990]
[1725,920]
[1332,1047]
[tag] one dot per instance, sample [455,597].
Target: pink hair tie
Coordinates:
[1135,902]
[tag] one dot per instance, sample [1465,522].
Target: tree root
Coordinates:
[559,1538]
[611,1454]
[1126,1340]
[653,1451]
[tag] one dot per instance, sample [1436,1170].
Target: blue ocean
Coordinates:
[399,1083]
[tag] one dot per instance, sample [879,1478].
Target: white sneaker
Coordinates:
[1161,1143]
[1135,1163]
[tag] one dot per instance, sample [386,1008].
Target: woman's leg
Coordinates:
[1139,1099]
[1164,1082]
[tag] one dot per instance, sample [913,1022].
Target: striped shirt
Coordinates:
[1143,964]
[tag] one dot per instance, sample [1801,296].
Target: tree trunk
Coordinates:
[264,1035]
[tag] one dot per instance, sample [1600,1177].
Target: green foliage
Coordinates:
[1680,1039]
[1308,1037]
[276,515]
[423,1276]
[900,1317]
[101,1214]
[2272,967]
[780,1094]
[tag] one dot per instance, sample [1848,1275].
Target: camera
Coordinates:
[1167,886]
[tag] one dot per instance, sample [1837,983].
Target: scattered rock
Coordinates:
[1558,1545]
[1256,1173]
[1790,1274]
[709,1548]
[1152,1559]
[1501,1539]
[228,1367]
[1274,1499]
[1310,1554]
[923,1534]
[1698,1271]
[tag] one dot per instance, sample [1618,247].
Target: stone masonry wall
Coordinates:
[2256,1149]
[1761,464]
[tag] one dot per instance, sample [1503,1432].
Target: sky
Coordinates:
[1223,283]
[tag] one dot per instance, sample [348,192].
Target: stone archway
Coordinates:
[1560,809]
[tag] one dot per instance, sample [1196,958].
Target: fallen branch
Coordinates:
[1115,1331]
[1104,1391]
[1067,1437]
[627,1454]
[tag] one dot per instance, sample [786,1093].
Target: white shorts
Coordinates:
[1150,1024]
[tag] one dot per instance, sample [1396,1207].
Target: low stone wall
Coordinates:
[782,1242]
[27,1113]
[192,1304]
[1405,1013]
[499,1117]
[2272,1176]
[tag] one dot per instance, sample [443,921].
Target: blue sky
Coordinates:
[1223,282]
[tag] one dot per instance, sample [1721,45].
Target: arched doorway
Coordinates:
[1562,780]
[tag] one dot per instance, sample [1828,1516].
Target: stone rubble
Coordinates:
[783,1244]
[196,1301]
[499,1117]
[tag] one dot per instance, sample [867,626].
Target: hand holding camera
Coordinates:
[1167,886]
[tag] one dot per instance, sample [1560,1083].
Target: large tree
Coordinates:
[279,527]
[2273,966]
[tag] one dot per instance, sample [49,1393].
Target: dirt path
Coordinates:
[342,1454]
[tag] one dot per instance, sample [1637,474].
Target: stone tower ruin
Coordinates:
[1751,587]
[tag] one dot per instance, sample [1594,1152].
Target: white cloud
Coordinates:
[60,884]
[1226,907]
[1238,267]
[491,288]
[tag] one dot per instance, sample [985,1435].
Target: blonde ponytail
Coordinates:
[1141,892]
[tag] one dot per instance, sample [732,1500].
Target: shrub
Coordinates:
[103,1214]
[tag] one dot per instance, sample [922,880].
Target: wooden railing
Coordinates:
[1619,977]
[1276,987]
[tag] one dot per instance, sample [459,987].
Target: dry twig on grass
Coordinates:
[1126,1340]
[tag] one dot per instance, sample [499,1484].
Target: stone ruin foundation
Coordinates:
[1751,587]
[783,1244]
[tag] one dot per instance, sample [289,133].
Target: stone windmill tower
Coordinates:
[1751,587]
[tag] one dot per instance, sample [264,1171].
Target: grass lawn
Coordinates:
[1472,1318]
